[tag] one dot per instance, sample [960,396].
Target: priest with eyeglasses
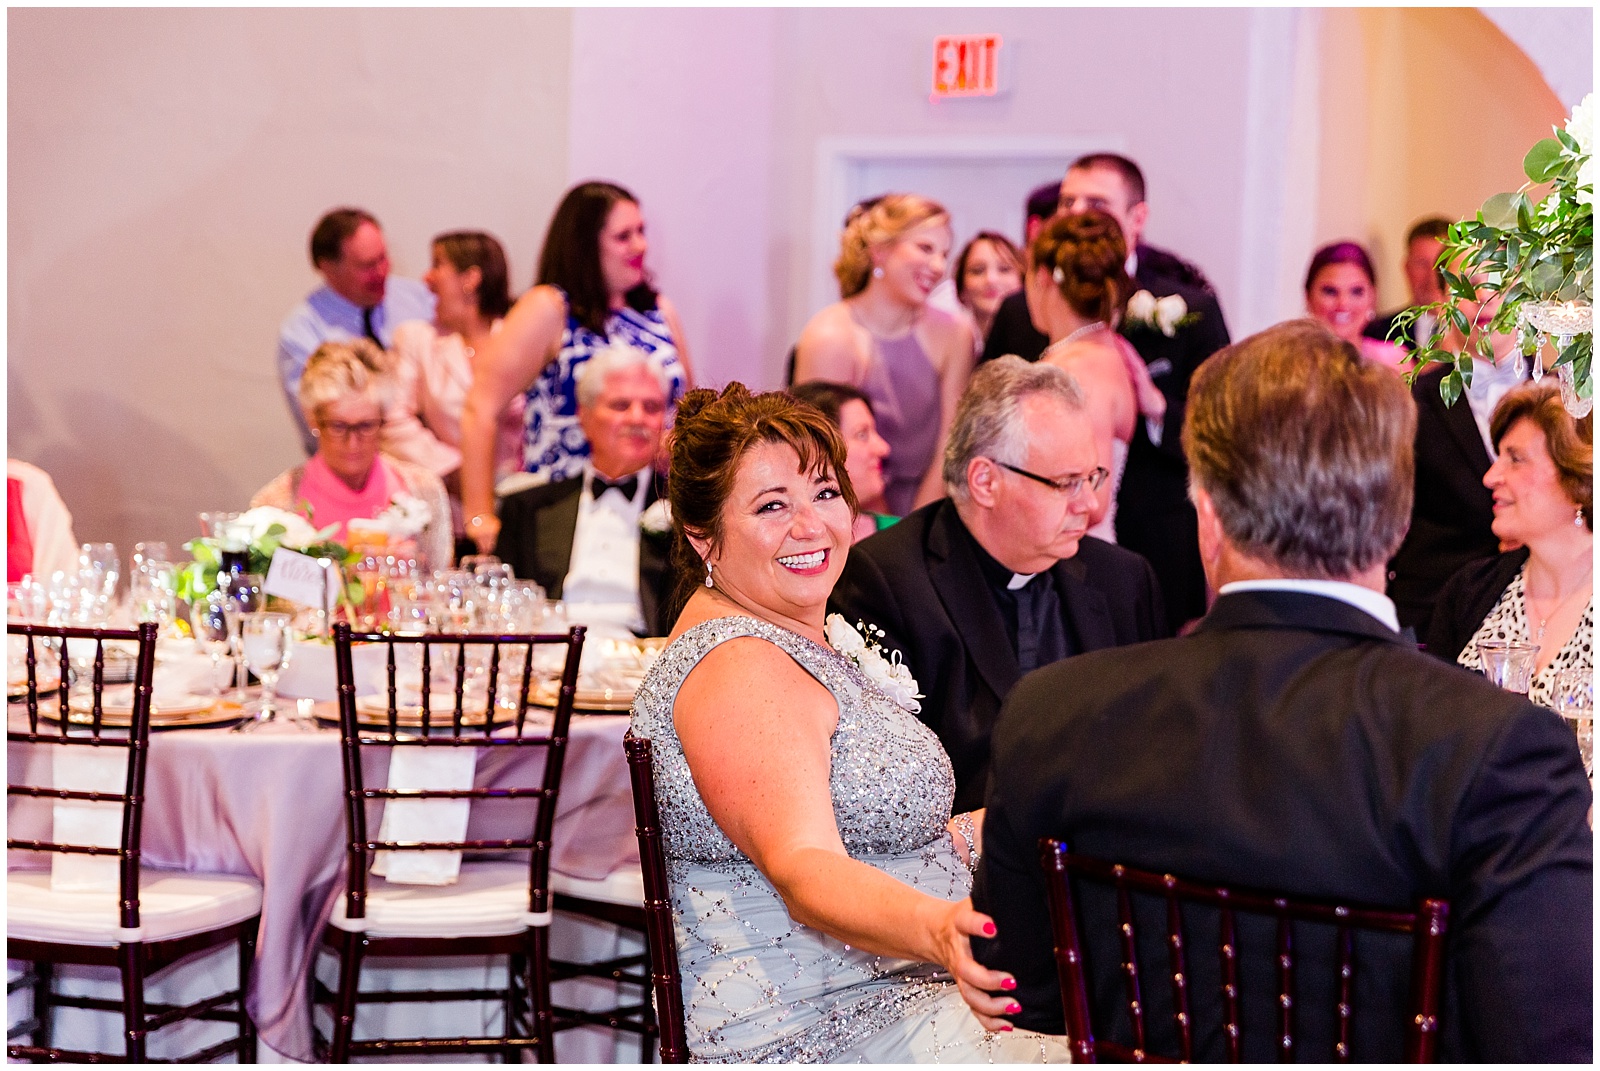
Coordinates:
[1000,578]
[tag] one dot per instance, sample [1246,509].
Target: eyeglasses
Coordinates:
[366,429]
[1068,486]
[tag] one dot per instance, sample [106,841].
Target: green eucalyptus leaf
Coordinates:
[1543,161]
[1498,212]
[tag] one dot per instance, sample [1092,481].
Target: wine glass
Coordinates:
[264,638]
[144,553]
[1508,663]
[154,591]
[101,559]
[241,594]
[210,624]
[1574,699]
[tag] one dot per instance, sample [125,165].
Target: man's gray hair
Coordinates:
[617,357]
[988,421]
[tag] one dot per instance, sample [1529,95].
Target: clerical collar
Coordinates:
[997,575]
[1019,580]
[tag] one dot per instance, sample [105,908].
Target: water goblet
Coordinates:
[264,638]
[242,594]
[1509,663]
[210,624]
[101,560]
[153,589]
[210,519]
[148,552]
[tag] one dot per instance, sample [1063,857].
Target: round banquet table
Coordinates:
[270,804]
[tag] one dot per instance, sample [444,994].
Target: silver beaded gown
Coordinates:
[759,987]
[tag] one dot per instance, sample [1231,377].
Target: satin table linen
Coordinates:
[270,804]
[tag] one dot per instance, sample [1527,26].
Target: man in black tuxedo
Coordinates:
[976,589]
[1453,510]
[599,541]
[1154,517]
[1424,243]
[1296,742]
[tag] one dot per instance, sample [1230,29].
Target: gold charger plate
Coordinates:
[182,712]
[593,700]
[373,711]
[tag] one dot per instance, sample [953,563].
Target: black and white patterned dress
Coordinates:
[1509,621]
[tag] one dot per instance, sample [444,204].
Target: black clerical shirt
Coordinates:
[1035,623]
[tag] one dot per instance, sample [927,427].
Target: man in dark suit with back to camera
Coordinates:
[1154,517]
[976,589]
[1296,742]
[598,540]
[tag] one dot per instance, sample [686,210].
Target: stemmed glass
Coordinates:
[210,622]
[241,594]
[101,560]
[1574,698]
[264,638]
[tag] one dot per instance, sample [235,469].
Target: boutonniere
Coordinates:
[657,519]
[1159,314]
[890,674]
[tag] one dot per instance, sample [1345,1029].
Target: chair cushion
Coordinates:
[489,900]
[625,886]
[172,903]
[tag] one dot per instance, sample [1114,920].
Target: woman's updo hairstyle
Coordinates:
[1087,257]
[711,434]
[876,223]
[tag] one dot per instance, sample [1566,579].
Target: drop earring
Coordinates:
[877,273]
[1577,520]
[708,575]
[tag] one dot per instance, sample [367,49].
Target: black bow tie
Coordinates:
[628,485]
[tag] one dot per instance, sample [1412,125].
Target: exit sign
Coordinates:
[966,66]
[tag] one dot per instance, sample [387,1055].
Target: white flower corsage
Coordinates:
[1165,314]
[658,518]
[890,674]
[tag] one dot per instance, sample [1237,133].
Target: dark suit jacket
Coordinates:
[1154,516]
[1452,512]
[921,583]
[1295,743]
[1380,326]
[1466,600]
[536,530]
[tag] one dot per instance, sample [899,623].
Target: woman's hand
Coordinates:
[953,933]
[1152,403]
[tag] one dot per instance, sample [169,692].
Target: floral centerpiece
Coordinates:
[268,528]
[1538,256]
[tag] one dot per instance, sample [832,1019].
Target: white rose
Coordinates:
[658,518]
[297,531]
[1169,311]
[1586,182]
[1142,306]
[842,638]
[1581,125]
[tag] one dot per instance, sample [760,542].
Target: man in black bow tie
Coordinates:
[594,540]
[977,589]
[1154,516]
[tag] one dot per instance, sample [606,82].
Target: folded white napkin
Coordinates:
[419,821]
[97,825]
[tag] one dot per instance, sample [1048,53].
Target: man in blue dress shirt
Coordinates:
[357,300]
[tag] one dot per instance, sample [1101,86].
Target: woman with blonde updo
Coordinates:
[883,338]
[1077,285]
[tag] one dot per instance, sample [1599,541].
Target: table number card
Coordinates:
[303,579]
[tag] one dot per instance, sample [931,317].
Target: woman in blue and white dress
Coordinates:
[592,292]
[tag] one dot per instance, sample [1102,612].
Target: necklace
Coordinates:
[1086,329]
[1544,619]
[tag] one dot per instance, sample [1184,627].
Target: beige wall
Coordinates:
[1425,111]
[165,168]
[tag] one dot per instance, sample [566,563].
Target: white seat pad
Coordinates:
[625,886]
[172,903]
[489,900]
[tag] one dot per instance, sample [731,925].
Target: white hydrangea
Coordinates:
[1580,126]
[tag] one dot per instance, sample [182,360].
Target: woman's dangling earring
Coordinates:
[877,273]
[1577,521]
[708,574]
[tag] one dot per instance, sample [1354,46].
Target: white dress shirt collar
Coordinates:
[1374,603]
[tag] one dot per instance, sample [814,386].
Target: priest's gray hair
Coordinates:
[988,421]
[617,357]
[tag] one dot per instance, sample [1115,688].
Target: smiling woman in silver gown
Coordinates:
[819,888]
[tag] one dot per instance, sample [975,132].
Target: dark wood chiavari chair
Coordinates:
[665,981]
[497,906]
[1426,926]
[155,917]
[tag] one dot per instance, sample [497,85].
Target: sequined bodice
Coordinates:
[757,985]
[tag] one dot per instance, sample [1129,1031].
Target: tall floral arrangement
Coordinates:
[269,529]
[1538,256]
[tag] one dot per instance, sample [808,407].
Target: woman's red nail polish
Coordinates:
[988,928]
[1013,1008]
[1007,1026]
[1008,983]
